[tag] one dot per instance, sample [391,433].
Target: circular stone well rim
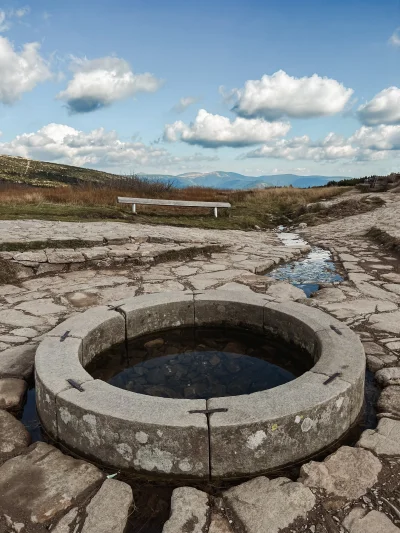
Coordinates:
[241,435]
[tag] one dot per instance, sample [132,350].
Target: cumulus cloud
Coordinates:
[384,108]
[330,148]
[100,82]
[213,131]
[98,148]
[21,70]
[366,144]
[377,139]
[184,103]
[280,95]
[395,38]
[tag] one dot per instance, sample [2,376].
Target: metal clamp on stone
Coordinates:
[64,336]
[209,411]
[76,385]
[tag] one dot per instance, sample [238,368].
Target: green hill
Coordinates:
[42,174]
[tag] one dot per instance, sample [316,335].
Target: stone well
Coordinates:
[223,437]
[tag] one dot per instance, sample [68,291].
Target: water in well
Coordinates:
[309,272]
[201,363]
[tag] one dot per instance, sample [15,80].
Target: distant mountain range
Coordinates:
[232,180]
[15,169]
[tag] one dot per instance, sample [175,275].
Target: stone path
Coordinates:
[353,491]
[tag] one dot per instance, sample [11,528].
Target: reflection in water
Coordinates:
[317,267]
[199,363]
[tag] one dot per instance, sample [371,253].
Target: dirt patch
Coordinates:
[7,272]
[319,214]
[389,242]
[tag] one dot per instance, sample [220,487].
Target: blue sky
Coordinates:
[308,87]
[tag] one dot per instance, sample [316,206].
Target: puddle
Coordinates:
[306,273]
[30,418]
[201,363]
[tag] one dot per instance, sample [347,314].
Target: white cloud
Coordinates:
[279,95]
[7,16]
[22,12]
[98,148]
[395,38]
[4,25]
[331,148]
[378,139]
[20,71]
[100,82]
[213,131]
[366,144]
[184,103]
[384,108]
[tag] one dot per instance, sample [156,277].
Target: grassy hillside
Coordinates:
[41,174]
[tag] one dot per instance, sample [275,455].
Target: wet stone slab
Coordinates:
[14,438]
[48,484]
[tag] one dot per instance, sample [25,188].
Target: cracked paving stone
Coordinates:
[48,483]
[347,473]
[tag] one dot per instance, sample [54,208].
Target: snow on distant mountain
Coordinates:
[233,180]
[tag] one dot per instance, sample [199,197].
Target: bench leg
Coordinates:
[216,212]
[134,209]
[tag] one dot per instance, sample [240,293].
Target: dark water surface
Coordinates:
[201,363]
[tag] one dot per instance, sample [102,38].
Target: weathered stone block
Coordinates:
[134,431]
[189,511]
[384,440]
[272,428]
[12,392]
[154,312]
[56,361]
[389,400]
[17,362]
[269,505]
[13,437]
[361,521]
[388,376]
[109,509]
[35,257]
[230,308]
[347,473]
[340,352]
[99,328]
[65,256]
[47,482]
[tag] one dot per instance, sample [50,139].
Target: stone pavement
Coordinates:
[352,491]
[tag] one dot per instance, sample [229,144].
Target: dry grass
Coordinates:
[265,208]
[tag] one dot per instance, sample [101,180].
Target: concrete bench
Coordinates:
[173,203]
